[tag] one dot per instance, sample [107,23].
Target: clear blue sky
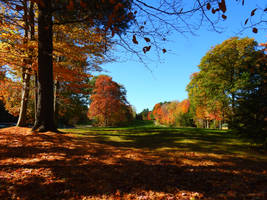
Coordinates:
[168,79]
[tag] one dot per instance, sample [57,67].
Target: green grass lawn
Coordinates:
[145,135]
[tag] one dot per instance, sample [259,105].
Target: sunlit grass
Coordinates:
[187,141]
[147,136]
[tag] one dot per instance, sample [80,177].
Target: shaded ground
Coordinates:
[129,163]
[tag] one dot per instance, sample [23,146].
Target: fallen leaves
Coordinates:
[56,166]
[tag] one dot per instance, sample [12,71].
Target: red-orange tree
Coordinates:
[109,106]
[172,113]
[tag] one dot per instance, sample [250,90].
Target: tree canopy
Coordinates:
[109,106]
[229,73]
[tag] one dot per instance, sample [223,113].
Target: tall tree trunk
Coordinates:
[32,38]
[25,74]
[24,100]
[56,88]
[45,105]
[35,95]
[233,109]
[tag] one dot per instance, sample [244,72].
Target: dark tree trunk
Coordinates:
[45,105]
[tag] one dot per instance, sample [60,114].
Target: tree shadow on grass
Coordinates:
[196,140]
[49,166]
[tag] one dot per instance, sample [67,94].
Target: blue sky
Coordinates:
[167,80]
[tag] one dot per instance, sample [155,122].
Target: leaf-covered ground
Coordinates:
[128,164]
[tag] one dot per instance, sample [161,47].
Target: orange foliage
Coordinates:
[10,95]
[149,115]
[157,112]
[185,105]
[109,105]
[70,61]
[167,113]
[203,113]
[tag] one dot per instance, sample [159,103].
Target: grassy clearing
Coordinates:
[135,162]
[144,135]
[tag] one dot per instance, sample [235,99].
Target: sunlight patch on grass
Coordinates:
[236,142]
[118,139]
[77,130]
[187,141]
[77,135]
[167,139]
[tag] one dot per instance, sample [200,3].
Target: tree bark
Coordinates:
[35,95]
[45,105]
[32,37]
[56,88]
[22,120]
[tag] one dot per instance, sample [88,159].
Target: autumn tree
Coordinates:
[109,106]
[71,70]
[182,114]
[16,50]
[28,61]
[143,115]
[78,51]
[173,113]
[73,45]
[99,14]
[203,111]
[225,71]
[251,113]
[90,12]
[157,112]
